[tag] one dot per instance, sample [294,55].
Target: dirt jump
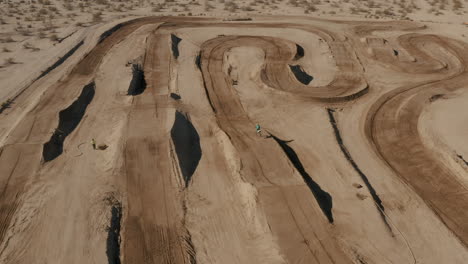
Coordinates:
[269,140]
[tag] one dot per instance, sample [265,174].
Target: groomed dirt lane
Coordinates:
[343,171]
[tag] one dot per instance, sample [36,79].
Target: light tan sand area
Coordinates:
[260,139]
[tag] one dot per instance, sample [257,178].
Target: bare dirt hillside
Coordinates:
[135,141]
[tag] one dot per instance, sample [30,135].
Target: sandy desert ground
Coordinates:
[363,155]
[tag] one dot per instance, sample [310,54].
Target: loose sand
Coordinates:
[366,164]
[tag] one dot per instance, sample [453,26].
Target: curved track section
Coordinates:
[392,127]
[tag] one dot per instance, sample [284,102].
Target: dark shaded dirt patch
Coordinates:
[461,157]
[300,74]
[198,61]
[436,97]
[109,32]
[67,36]
[113,232]
[138,83]
[299,52]
[239,19]
[69,119]
[187,145]
[61,60]
[175,96]
[323,198]
[357,185]
[344,150]
[175,45]
[5,105]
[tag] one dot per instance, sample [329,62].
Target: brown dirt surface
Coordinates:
[364,162]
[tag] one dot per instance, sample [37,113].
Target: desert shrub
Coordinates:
[208,6]
[68,6]
[31,47]
[27,45]
[9,61]
[97,17]
[388,12]
[231,6]
[43,12]
[457,4]
[53,37]
[26,33]
[9,40]
[311,8]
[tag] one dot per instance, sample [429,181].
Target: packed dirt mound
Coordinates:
[285,140]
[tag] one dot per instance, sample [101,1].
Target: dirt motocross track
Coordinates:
[354,163]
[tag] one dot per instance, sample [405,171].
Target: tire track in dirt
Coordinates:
[370,188]
[348,84]
[257,153]
[25,139]
[391,126]
[27,136]
[154,221]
